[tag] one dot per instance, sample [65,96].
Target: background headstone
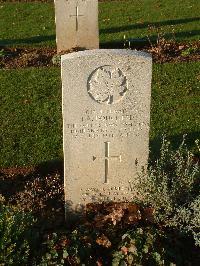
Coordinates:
[106,112]
[76,24]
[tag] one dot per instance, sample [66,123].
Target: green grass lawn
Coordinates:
[32,24]
[30,115]
[31,119]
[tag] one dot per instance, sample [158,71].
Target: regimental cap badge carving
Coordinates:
[107,85]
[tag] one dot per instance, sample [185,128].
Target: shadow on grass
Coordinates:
[31,40]
[51,167]
[40,39]
[147,24]
[115,44]
[140,42]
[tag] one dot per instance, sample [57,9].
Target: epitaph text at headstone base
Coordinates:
[76,24]
[106,112]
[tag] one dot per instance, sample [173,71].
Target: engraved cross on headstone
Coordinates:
[107,158]
[77,15]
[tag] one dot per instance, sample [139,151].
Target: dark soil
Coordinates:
[26,57]
[162,52]
[33,189]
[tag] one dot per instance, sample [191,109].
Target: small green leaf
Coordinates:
[123,263]
[48,256]
[65,254]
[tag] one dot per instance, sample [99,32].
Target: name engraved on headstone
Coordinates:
[98,124]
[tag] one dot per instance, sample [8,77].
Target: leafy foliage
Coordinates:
[2,53]
[171,187]
[15,227]
[104,238]
[188,51]
[187,218]
[159,229]
[138,247]
[68,248]
[56,252]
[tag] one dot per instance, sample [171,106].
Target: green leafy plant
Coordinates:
[56,60]
[2,53]
[187,218]
[15,227]
[140,246]
[67,247]
[189,51]
[171,187]
[55,255]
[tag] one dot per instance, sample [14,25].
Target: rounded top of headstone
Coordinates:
[99,52]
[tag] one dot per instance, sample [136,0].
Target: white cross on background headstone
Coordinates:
[76,24]
[107,159]
[77,16]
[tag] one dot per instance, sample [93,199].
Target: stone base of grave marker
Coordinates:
[76,24]
[106,113]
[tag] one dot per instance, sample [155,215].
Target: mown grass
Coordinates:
[33,24]
[176,103]
[31,119]
[30,115]
[137,19]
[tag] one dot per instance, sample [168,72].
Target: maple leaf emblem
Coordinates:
[107,85]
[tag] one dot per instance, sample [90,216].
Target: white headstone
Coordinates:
[106,111]
[76,24]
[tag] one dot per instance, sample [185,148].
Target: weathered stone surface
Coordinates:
[76,24]
[106,112]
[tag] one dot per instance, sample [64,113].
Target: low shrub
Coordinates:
[171,185]
[15,228]
[138,245]
[162,228]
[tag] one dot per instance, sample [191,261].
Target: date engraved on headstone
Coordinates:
[107,85]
